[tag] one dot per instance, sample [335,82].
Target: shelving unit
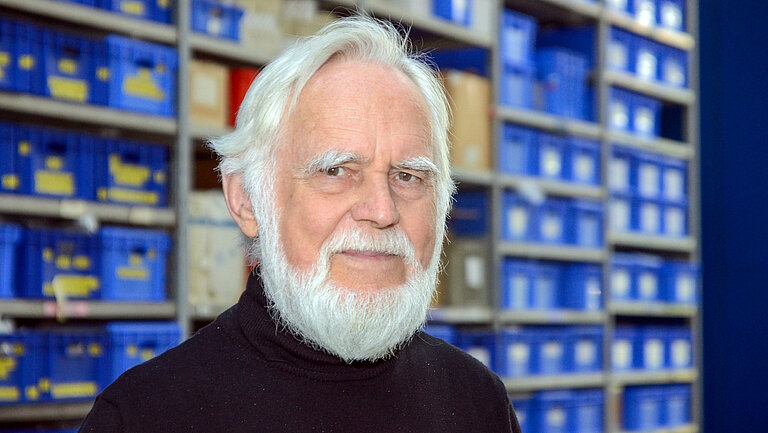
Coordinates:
[41,412]
[528,384]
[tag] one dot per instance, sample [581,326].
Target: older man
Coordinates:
[338,174]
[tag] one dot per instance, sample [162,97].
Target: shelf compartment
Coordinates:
[660,243]
[673,38]
[37,309]
[654,89]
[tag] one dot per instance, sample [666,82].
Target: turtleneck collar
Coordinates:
[281,349]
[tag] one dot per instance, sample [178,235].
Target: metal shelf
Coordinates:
[654,377]
[34,412]
[675,149]
[654,309]
[551,252]
[74,209]
[523,384]
[687,428]
[549,122]
[203,132]
[40,309]
[89,114]
[585,8]
[677,39]
[207,312]
[552,187]
[633,240]
[484,178]
[477,315]
[655,89]
[229,50]
[556,316]
[96,18]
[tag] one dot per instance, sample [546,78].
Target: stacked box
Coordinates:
[549,156]
[130,344]
[470,215]
[518,218]
[517,284]
[553,412]
[676,406]
[471,130]
[584,350]
[551,222]
[646,58]
[620,5]
[562,80]
[208,94]
[587,409]
[635,277]
[517,149]
[679,348]
[9,176]
[620,54]
[671,14]
[456,11]
[623,348]
[10,237]
[18,368]
[679,282]
[480,343]
[446,333]
[532,285]
[652,348]
[155,10]
[585,227]
[582,161]
[8,61]
[634,113]
[643,408]
[645,11]
[131,173]
[549,350]
[133,264]
[466,283]
[514,353]
[29,58]
[71,359]
[517,35]
[217,19]
[582,287]
[68,67]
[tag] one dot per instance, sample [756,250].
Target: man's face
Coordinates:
[356,154]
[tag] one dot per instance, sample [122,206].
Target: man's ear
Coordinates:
[239,205]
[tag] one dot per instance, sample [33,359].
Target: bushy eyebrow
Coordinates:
[419,163]
[326,160]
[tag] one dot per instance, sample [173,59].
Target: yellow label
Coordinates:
[164,4]
[44,384]
[75,389]
[132,350]
[132,7]
[143,86]
[47,255]
[63,262]
[53,163]
[102,73]
[49,182]
[5,58]
[128,174]
[68,88]
[10,181]
[160,177]
[68,66]
[32,393]
[94,349]
[72,285]
[26,62]
[130,273]
[81,263]
[24,148]
[7,365]
[135,259]
[122,195]
[147,354]
[9,393]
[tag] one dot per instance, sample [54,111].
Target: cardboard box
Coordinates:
[208,93]
[261,6]
[471,132]
[465,281]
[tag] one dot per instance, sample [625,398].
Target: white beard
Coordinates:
[350,324]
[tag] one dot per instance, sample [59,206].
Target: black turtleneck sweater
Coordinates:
[241,373]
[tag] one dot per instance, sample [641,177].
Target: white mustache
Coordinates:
[392,241]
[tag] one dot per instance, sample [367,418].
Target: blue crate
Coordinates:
[578,39]
[456,11]
[585,349]
[548,354]
[517,149]
[517,38]
[679,282]
[514,353]
[562,80]
[141,9]
[587,415]
[130,344]
[585,223]
[583,161]
[679,350]
[674,179]
[653,347]
[470,213]
[54,163]
[620,110]
[620,54]
[517,284]
[621,213]
[546,282]
[646,58]
[582,287]
[549,156]
[648,174]
[67,260]
[645,12]
[518,218]
[131,173]
[72,363]
[621,169]
[623,348]
[8,63]
[551,222]
[472,60]
[136,75]
[67,67]
[133,264]
[19,367]
[622,275]
[29,58]
[552,412]
[646,116]
[620,5]
[522,408]
[674,221]
[673,66]
[645,279]
[479,343]
[446,333]
[671,14]
[642,407]
[9,176]
[647,216]
[10,237]
[516,86]
[216,19]
[676,406]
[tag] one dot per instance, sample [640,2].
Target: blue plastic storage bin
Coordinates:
[679,282]
[516,86]
[587,412]
[456,11]
[155,10]
[623,348]
[671,14]
[446,333]
[552,222]
[620,208]
[133,264]
[517,283]
[29,58]
[562,81]
[10,237]
[674,219]
[59,261]
[518,218]
[19,367]
[622,276]
[54,163]
[517,38]
[585,349]
[673,66]
[514,353]
[553,412]
[549,350]
[480,343]
[578,39]
[646,57]
[470,214]
[620,110]
[582,287]
[620,54]
[130,344]
[68,67]
[549,157]
[622,165]
[72,363]
[647,216]
[653,350]
[517,149]
[642,407]
[216,19]
[676,406]
[645,279]
[585,228]
[545,288]
[522,408]
[583,161]
[645,11]
[648,175]
[8,63]
[9,176]
[472,60]
[620,5]
[131,173]
[674,179]
[679,350]
[646,116]
[136,75]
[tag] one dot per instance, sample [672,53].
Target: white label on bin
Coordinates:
[671,16]
[673,72]
[459,10]
[551,227]
[681,353]
[519,353]
[584,168]
[552,350]
[620,282]
[586,353]
[649,286]
[593,294]
[649,217]
[645,12]
[648,180]
[645,122]
[514,39]
[621,354]
[647,64]
[474,272]
[213,26]
[617,55]
[481,354]
[674,221]
[618,4]
[653,353]
[551,166]
[518,221]
[520,289]
[684,288]
[620,215]
[619,174]
[556,417]
[619,115]
[673,184]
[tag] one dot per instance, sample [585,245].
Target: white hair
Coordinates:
[251,148]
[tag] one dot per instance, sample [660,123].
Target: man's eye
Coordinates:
[335,171]
[405,177]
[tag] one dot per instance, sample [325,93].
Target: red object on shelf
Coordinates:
[240,80]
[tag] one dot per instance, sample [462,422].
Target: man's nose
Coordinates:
[375,203]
